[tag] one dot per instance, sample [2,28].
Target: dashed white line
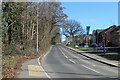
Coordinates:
[78,57]
[85,61]
[93,65]
[91,69]
[66,56]
[63,53]
[69,52]
[72,61]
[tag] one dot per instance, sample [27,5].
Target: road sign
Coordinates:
[87,29]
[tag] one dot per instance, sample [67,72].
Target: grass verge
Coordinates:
[105,55]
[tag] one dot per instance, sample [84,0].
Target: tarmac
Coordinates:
[96,57]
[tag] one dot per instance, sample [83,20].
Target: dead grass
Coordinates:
[12,65]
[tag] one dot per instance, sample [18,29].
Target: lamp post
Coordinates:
[37,28]
[104,41]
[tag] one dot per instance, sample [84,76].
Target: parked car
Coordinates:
[93,45]
[100,48]
[76,46]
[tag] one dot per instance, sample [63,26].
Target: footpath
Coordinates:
[96,57]
[32,69]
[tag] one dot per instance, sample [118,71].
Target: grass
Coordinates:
[83,49]
[106,55]
[110,56]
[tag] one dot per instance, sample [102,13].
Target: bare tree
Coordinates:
[72,28]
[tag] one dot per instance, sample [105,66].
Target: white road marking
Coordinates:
[90,69]
[103,67]
[93,65]
[78,57]
[66,56]
[86,61]
[40,63]
[72,61]
[69,52]
[35,70]
[43,69]
[63,53]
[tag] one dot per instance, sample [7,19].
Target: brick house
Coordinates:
[115,37]
[105,37]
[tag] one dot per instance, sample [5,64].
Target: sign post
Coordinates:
[87,34]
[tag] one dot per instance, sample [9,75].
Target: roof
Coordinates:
[115,29]
[107,29]
[99,30]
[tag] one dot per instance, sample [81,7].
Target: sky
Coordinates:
[98,15]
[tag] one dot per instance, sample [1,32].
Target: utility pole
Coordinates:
[104,41]
[37,27]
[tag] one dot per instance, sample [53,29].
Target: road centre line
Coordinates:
[85,61]
[67,57]
[92,63]
[69,52]
[63,53]
[72,61]
[78,57]
[90,69]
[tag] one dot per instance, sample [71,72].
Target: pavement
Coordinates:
[96,57]
[32,69]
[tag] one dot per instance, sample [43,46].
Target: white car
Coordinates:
[76,46]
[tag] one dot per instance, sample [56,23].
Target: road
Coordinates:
[61,62]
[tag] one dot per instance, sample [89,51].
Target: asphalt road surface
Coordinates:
[61,62]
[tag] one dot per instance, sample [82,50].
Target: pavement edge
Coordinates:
[95,59]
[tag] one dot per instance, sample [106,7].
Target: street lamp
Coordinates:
[37,27]
[104,41]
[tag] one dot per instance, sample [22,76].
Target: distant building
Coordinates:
[104,36]
[93,36]
[115,37]
[96,36]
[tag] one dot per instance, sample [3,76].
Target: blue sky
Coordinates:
[99,15]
